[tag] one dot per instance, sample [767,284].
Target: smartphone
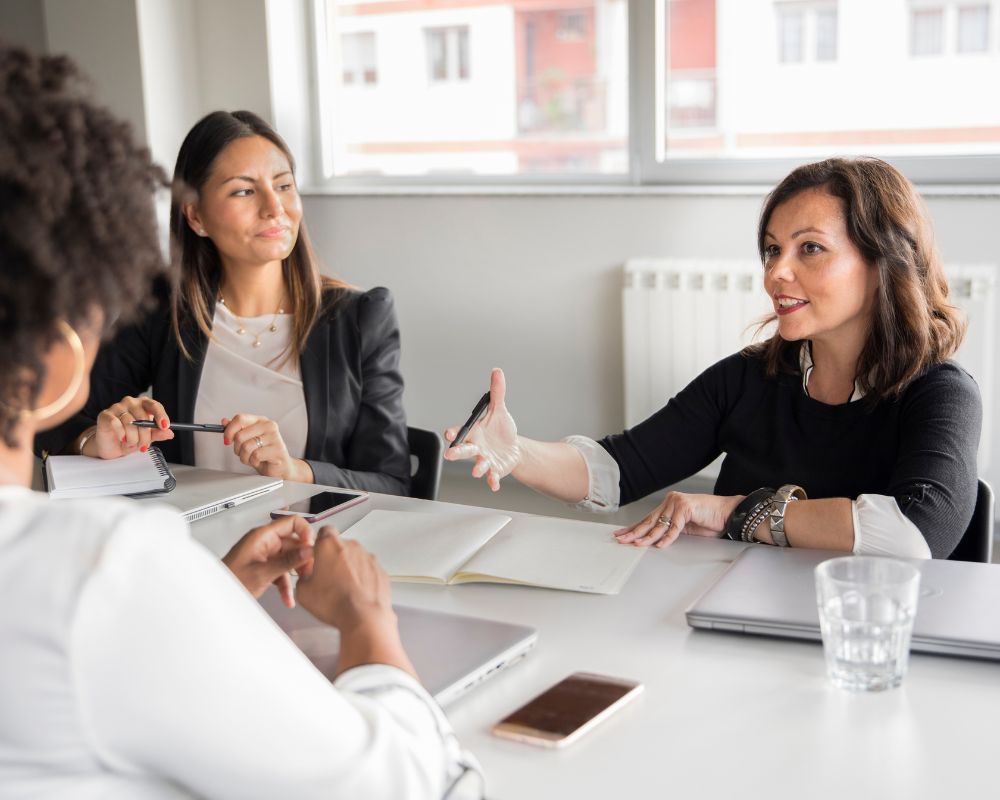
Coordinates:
[563,713]
[321,505]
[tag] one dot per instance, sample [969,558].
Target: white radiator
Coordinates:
[681,316]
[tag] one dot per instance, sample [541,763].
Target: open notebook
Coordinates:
[488,547]
[82,476]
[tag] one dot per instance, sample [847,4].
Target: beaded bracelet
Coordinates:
[761,512]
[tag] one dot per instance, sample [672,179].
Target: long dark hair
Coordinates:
[77,219]
[913,325]
[201,268]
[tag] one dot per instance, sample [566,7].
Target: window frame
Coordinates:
[648,164]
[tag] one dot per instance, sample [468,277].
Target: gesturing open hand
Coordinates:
[493,441]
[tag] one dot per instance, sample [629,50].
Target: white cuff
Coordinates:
[603,476]
[881,529]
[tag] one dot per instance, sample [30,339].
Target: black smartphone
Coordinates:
[564,712]
[321,505]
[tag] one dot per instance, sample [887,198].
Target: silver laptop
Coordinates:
[770,591]
[451,653]
[202,492]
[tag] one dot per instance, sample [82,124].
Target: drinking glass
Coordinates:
[866,610]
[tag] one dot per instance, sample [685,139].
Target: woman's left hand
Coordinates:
[257,443]
[693,514]
[266,554]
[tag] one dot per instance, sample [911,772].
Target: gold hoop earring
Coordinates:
[57,405]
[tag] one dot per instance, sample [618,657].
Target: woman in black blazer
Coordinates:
[327,373]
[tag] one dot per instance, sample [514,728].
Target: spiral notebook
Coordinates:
[135,475]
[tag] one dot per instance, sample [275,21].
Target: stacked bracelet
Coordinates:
[776,511]
[759,513]
[749,506]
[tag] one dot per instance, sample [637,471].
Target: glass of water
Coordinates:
[866,610]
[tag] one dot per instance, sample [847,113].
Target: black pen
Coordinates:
[207,427]
[474,417]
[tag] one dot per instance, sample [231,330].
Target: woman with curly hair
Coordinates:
[849,429]
[115,682]
[302,370]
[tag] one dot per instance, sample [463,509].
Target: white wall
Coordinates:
[171,73]
[532,284]
[103,37]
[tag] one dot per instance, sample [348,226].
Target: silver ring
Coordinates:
[663,520]
[126,411]
[260,442]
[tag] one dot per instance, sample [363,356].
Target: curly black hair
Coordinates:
[78,226]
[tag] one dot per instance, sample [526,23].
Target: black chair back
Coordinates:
[426,448]
[977,542]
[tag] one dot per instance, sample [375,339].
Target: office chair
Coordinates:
[425,463]
[976,543]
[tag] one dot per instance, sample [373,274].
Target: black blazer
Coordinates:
[350,376]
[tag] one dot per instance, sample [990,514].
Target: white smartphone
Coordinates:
[563,713]
[321,505]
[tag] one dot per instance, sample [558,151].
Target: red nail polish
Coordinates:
[225,440]
[124,438]
[143,449]
[163,423]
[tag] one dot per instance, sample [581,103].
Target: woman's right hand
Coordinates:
[116,435]
[493,441]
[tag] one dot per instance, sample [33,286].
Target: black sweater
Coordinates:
[919,449]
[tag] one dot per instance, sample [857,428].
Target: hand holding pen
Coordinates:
[492,441]
[115,434]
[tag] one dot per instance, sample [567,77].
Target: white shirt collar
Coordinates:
[806,365]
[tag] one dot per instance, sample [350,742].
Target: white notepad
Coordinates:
[82,476]
[451,548]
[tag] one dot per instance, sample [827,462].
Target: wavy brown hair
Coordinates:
[77,219]
[913,324]
[201,268]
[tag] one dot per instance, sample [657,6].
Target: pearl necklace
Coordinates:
[272,328]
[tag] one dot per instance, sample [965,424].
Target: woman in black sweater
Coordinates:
[852,403]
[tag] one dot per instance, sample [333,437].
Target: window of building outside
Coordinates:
[448,53]
[973,29]
[791,35]
[358,59]
[484,89]
[826,34]
[926,31]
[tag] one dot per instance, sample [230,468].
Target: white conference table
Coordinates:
[722,715]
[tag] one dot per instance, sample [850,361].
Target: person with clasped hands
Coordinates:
[301,369]
[852,403]
[135,664]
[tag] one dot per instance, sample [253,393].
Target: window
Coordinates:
[826,34]
[725,91]
[448,54]
[926,31]
[806,31]
[572,26]
[466,89]
[791,32]
[357,52]
[973,29]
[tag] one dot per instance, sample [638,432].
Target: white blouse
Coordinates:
[240,378]
[880,528]
[135,665]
